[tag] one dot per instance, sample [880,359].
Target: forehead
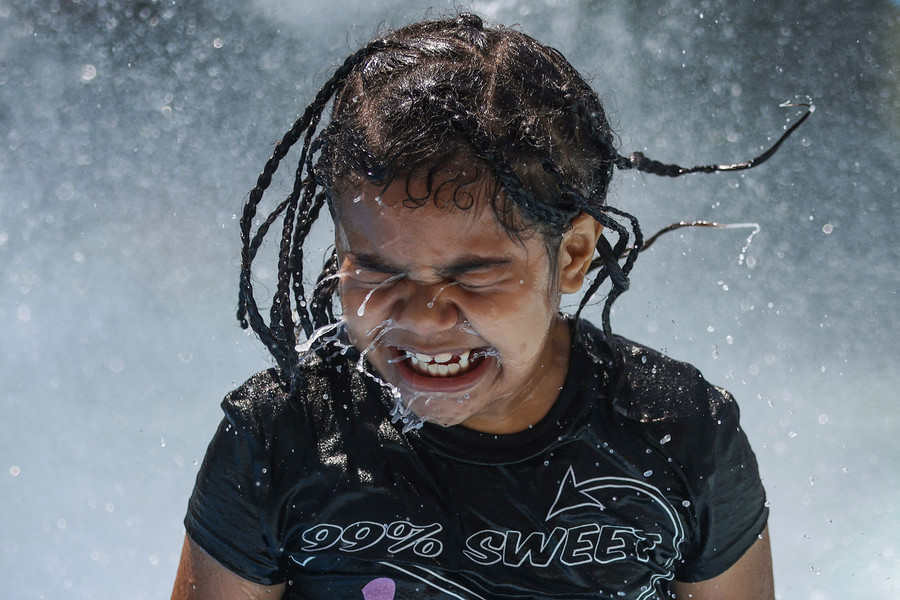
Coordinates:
[415,209]
[410,218]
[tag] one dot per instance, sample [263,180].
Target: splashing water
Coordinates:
[362,307]
[319,334]
[405,411]
[382,328]
[400,411]
[386,324]
[486,352]
[335,276]
[756,228]
[466,327]
[438,293]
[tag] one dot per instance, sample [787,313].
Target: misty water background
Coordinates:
[130,133]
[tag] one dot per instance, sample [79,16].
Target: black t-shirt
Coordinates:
[611,495]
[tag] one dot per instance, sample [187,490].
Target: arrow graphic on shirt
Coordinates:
[574,494]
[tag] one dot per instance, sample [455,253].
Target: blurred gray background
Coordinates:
[130,133]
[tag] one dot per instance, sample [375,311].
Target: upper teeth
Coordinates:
[439,364]
[442,358]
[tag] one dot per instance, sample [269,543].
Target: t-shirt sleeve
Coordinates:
[730,505]
[226,513]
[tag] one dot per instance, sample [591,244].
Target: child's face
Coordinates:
[452,311]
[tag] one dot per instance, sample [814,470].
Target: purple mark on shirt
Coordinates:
[379,589]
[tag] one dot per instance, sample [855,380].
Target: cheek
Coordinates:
[534,300]
[351,302]
[364,308]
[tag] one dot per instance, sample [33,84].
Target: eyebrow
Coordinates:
[374,263]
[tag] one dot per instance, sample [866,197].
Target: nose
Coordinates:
[425,308]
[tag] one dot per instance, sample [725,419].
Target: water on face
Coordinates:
[412,407]
[361,311]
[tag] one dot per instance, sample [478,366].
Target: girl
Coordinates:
[449,433]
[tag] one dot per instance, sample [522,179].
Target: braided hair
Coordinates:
[418,98]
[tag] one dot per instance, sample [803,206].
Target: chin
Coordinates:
[439,408]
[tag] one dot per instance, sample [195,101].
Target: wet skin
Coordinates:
[440,282]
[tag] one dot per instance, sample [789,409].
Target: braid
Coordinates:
[278,335]
[608,259]
[321,306]
[638,161]
[302,232]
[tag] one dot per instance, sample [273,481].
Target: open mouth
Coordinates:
[445,364]
[442,369]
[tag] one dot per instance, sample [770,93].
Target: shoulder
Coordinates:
[311,402]
[270,394]
[264,389]
[651,386]
[657,386]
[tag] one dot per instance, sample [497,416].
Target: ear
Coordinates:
[576,252]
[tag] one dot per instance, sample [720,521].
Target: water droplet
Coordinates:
[23,312]
[361,311]
[88,73]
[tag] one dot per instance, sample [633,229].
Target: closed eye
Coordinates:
[480,281]
[371,277]
[474,286]
[368,270]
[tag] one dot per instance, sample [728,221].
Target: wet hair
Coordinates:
[413,103]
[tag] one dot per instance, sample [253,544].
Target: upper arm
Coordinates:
[200,577]
[750,578]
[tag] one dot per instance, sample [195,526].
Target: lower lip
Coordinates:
[453,383]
